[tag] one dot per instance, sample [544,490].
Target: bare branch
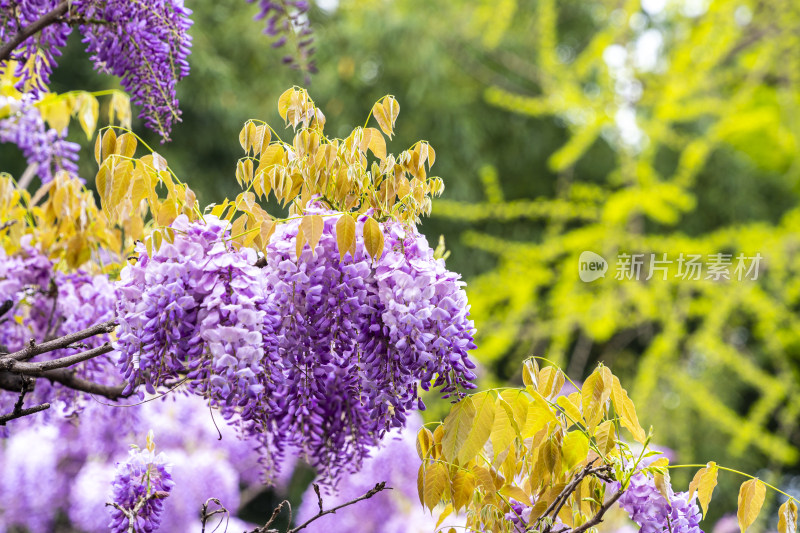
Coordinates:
[23,412]
[370,493]
[33,349]
[39,368]
[598,517]
[68,378]
[33,28]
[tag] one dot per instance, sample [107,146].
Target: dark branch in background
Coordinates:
[205,514]
[33,28]
[265,528]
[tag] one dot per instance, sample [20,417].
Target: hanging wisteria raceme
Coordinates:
[64,469]
[287,19]
[317,352]
[144,42]
[42,146]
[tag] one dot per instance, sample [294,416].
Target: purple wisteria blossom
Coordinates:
[656,514]
[144,42]
[285,19]
[316,353]
[48,303]
[41,146]
[141,483]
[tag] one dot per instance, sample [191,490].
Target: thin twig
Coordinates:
[370,493]
[23,412]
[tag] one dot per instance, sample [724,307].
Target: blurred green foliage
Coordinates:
[562,127]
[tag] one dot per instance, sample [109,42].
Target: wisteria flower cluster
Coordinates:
[140,485]
[656,514]
[285,18]
[47,303]
[144,42]
[41,145]
[314,352]
[62,471]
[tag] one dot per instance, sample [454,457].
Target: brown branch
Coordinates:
[33,349]
[67,377]
[19,413]
[33,28]
[369,494]
[40,367]
[598,517]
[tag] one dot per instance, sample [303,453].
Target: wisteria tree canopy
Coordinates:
[167,365]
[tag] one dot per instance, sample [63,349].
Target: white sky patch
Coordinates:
[647,50]
[653,7]
[327,5]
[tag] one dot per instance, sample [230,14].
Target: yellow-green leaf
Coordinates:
[373,238]
[125,145]
[704,482]
[572,411]
[751,498]
[512,491]
[503,432]
[787,517]
[457,426]
[604,437]
[574,449]
[481,428]
[551,380]
[626,411]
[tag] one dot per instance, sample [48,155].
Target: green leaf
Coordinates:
[457,426]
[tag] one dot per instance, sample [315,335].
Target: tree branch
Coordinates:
[40,367]
[598,517]
[34,349]
[19,413]
[33,28]
[68,378]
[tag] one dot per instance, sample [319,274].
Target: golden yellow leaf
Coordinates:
[704,482]
[572,410]
[787,517]
[751,498]
[436,482]
[448,509]
[463,488]
[312,228]
[109,144]
[604,437]
[376,142]
[125,145]
[424,442]
[346,235]
[512,491]
[574,449]
[373,238]
[551,380]
[626,411]
[503,432]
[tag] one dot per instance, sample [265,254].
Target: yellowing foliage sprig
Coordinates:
[556,451]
